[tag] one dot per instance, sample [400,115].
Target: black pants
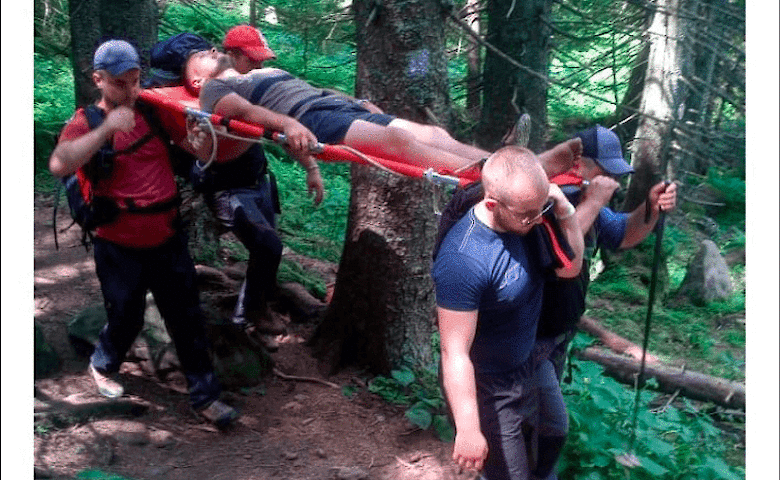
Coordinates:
[125,275]
[249,212]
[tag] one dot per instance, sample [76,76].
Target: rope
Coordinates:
[213,133]
[367,159]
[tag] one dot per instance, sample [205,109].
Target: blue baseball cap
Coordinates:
[603,146]
[116,57]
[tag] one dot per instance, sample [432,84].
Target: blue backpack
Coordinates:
[167,58]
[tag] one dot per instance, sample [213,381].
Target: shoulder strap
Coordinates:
[460,203]
[95,115]
[151,117]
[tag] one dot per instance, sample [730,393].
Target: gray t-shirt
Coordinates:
[271,88]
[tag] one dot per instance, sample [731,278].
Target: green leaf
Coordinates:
[443,428]
[719,469]
[420,416]
[404,376]
[349,390]
[652,467]
[659,447]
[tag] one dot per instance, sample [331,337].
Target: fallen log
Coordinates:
[693,385]
[613,341]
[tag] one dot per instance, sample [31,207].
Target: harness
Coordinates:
[90,211]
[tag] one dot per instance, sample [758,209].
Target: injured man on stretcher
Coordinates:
[306,115]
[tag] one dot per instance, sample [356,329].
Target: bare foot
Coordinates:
[562,157]
[636,352]
[520,132]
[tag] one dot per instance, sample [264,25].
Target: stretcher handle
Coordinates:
[322,151]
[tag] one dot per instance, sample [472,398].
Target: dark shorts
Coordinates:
[330,123]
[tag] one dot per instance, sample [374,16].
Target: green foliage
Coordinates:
[98,475]
[618,298]
[313,230]
[53,98]
[51,27]
[292,272]
[594,53]
[677,441]
[732,191]
[206,19]
[349,391]
[418,390]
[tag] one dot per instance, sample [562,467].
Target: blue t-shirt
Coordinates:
[480,269]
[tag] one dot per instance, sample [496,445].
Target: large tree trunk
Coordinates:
[660,99]
[382,308]
[94,21]
[519,29]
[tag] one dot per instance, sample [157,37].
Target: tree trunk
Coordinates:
[382,308]
[519,30]
[660,98]
[474,60]
[94,21]
[626,114]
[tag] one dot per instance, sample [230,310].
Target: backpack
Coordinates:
[167,58]
[88,210]
[563,300]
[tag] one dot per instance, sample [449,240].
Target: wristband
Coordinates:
[570,211]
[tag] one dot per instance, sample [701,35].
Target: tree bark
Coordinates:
[660,99]
[670,379]
[519,30]
[474,60]
[381,313]
[94,21]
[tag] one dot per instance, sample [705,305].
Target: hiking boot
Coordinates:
[219,413]
[107,386]
[520,133]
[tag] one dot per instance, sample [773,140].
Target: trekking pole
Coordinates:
[629,459]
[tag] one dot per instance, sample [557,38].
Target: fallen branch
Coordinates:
[284,376]
[670,379]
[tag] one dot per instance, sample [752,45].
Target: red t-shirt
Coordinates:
[143,176]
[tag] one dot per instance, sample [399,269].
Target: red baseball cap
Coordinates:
[250,41]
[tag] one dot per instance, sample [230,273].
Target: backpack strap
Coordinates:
[460,203]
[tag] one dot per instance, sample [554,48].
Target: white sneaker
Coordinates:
[107,386]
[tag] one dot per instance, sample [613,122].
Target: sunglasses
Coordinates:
[525,221]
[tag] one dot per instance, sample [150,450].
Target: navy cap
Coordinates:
[116,57]
[603,146]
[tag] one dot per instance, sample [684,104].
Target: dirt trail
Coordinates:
[288,430]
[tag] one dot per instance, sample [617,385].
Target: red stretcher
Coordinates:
[175,104]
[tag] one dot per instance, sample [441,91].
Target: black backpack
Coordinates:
[88,210]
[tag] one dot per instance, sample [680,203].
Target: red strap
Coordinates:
[567,178]
[557,250]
